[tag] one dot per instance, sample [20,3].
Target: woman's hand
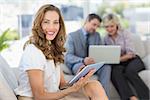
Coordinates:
[81,67]
[82,81]
[127,57]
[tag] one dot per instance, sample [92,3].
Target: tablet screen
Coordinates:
[85,71]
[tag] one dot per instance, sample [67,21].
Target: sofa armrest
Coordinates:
[16,72]
[6,93]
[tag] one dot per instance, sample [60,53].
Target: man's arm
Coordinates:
[70,56]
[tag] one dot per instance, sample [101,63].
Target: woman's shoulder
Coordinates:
[125,32]
[32,47]
[32,58]
[33,50]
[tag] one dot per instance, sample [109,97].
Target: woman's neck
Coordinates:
[114,36]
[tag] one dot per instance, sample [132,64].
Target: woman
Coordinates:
[130,63]
[40,74]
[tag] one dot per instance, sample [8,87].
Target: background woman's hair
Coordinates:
[56,48]
[111,18]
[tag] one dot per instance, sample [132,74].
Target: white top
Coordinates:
[33,58]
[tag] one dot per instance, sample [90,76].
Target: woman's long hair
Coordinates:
[56,48]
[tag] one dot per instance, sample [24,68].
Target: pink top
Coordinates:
[123,39]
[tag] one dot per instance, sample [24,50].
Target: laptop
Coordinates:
[109,54]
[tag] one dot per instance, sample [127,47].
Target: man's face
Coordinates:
[92,25]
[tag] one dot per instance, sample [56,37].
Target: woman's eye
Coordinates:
[56,22]
[45,22]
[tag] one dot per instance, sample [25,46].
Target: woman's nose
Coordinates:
[50,26]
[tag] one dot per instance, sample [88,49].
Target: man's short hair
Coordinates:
[94,16]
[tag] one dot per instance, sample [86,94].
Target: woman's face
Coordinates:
[50,24]
[111,28]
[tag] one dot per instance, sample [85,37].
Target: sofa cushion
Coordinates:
[146,61]
[6,93]
[147,42]
[8,74]
[138,45]
[145,76]
[65,69]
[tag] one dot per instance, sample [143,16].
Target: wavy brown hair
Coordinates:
[56,48]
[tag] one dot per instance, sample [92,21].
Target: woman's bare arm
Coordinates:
[62,80]
[37,85]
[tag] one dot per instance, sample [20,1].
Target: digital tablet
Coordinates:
[85,71]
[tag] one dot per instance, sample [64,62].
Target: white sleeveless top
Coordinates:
[33,58]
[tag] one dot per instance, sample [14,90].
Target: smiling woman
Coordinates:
[130,63]
[40,75]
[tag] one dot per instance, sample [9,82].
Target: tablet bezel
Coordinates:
[85,71]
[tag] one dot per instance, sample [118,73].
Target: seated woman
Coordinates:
[40,75]
[130,63]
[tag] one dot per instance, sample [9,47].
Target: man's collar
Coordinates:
[84,31]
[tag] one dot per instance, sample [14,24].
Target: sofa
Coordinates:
[9,76]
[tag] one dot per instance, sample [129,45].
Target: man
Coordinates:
[77,49]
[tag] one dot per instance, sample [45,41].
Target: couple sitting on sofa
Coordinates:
[130,63]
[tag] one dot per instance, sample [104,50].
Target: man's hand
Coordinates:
[88,60]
